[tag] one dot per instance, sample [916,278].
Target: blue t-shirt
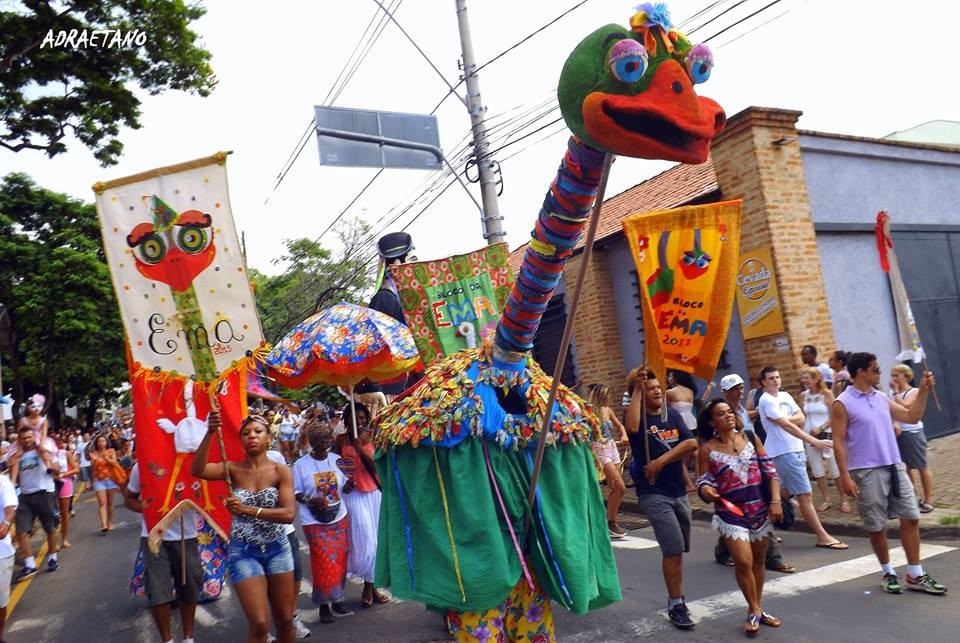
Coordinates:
[663,436]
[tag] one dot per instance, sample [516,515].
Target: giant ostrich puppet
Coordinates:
[456,453]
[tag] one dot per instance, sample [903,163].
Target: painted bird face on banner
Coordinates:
[175,248]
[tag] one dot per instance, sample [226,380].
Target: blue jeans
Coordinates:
[246,560]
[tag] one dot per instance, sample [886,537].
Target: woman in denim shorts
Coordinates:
[259,559]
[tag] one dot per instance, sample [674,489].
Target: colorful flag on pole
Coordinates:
[453,303]
[190,322]
[686,265]
[910,348]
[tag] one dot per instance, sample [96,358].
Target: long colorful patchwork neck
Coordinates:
[627,91]
[565,211]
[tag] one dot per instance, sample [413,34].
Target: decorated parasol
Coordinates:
[342,345]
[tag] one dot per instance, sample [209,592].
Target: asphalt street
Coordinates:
[834,596]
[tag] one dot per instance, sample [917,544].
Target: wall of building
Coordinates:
[849,181]
[595,338]
[858,293]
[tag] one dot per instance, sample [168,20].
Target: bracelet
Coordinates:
[257,515]
[775,502]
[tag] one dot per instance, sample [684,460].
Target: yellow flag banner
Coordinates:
[686,266]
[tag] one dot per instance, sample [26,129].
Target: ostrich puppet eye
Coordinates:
[699,64]
[627,60]
[192,239]
[152,248]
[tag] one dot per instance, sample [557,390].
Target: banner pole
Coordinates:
[567,331]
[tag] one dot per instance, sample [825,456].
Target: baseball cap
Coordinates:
[727,382]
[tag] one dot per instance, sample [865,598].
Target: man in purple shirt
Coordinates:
[871,470]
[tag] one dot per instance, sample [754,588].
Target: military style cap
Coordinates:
[394,245]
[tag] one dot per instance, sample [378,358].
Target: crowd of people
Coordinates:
[756,454]
[43,472]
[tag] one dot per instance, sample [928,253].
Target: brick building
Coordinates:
[812,198]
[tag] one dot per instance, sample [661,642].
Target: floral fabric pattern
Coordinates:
[329,548]
[341,345]
[526,616]
[738,479]
[213,553]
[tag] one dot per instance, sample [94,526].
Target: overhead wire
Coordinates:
[518,124]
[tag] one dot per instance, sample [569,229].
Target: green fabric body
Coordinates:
[573,512]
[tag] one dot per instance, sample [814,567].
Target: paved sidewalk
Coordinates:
[940,524]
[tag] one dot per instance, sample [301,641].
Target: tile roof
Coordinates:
[672,188]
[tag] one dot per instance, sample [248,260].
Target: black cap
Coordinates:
[394,245]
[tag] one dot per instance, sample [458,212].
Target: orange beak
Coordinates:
[667,121]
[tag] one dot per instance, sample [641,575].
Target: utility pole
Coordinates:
[492,219]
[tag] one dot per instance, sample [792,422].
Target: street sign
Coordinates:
[414,128]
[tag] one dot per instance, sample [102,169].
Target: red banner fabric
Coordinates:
[168,430]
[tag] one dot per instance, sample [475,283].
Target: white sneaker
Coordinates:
[302,632]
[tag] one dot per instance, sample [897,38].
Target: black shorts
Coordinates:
[38,504]
[164,574]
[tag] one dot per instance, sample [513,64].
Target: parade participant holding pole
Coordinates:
[662,443]
[259,559]
[174,572]
[872,472]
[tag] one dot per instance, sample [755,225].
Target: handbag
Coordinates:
[789,516]
[118,474]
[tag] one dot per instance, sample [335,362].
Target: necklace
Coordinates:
[732,443]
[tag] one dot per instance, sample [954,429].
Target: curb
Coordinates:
[835,528]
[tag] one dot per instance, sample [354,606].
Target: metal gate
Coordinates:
[930,263]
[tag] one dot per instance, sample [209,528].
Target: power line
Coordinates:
[726,29]
[523,123]
[716,17]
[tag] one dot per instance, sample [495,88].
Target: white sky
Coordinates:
[855,67]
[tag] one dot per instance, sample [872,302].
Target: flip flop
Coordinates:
[752,625]
[824,506]
[838,546]
[769,620]
[845,508]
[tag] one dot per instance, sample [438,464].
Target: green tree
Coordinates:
[54,280]
[315,278]
[49,90]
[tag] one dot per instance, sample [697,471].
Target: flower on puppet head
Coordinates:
[650,14]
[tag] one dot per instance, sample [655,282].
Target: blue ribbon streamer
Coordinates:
[403,512]
[543,527]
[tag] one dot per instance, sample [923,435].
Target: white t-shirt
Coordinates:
[828,375]
[776,407]
[8,498]
[312,477]
[82,450]
[277,457]
[190,517]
